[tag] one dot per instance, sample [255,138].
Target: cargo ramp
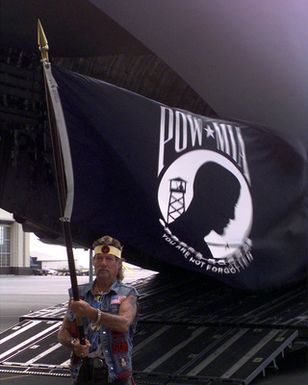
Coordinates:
[189,332]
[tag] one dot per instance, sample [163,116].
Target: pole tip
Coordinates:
[42,41]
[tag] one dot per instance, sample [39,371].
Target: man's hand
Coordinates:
[83,309]
[81,350]
[115,322]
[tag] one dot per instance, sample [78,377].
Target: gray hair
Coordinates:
[108,240]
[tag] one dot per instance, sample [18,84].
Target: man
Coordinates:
[108,310]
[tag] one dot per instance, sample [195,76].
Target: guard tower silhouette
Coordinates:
[176,205]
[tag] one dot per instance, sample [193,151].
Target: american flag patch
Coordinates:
[117,299]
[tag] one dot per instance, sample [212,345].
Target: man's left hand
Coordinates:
[82,309]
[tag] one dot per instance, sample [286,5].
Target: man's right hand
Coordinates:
[79,350]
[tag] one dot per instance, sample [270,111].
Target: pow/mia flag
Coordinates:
[220,198]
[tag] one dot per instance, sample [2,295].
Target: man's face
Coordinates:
[106,266]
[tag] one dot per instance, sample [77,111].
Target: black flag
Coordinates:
[221,198]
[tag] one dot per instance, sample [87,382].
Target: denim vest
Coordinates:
[116,347]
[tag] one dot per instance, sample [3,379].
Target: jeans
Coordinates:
[89,374]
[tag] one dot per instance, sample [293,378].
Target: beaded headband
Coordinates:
[107,249]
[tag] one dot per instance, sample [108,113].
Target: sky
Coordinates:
[52,252]
[40,249]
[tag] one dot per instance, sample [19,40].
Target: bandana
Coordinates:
[107,249]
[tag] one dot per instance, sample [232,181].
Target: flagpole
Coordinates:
[63,181]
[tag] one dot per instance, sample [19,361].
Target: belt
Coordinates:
[96,362]
[93,371]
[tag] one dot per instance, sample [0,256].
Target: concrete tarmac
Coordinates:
[21,294]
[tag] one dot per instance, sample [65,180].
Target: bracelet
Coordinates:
[97,324]
[99,317]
